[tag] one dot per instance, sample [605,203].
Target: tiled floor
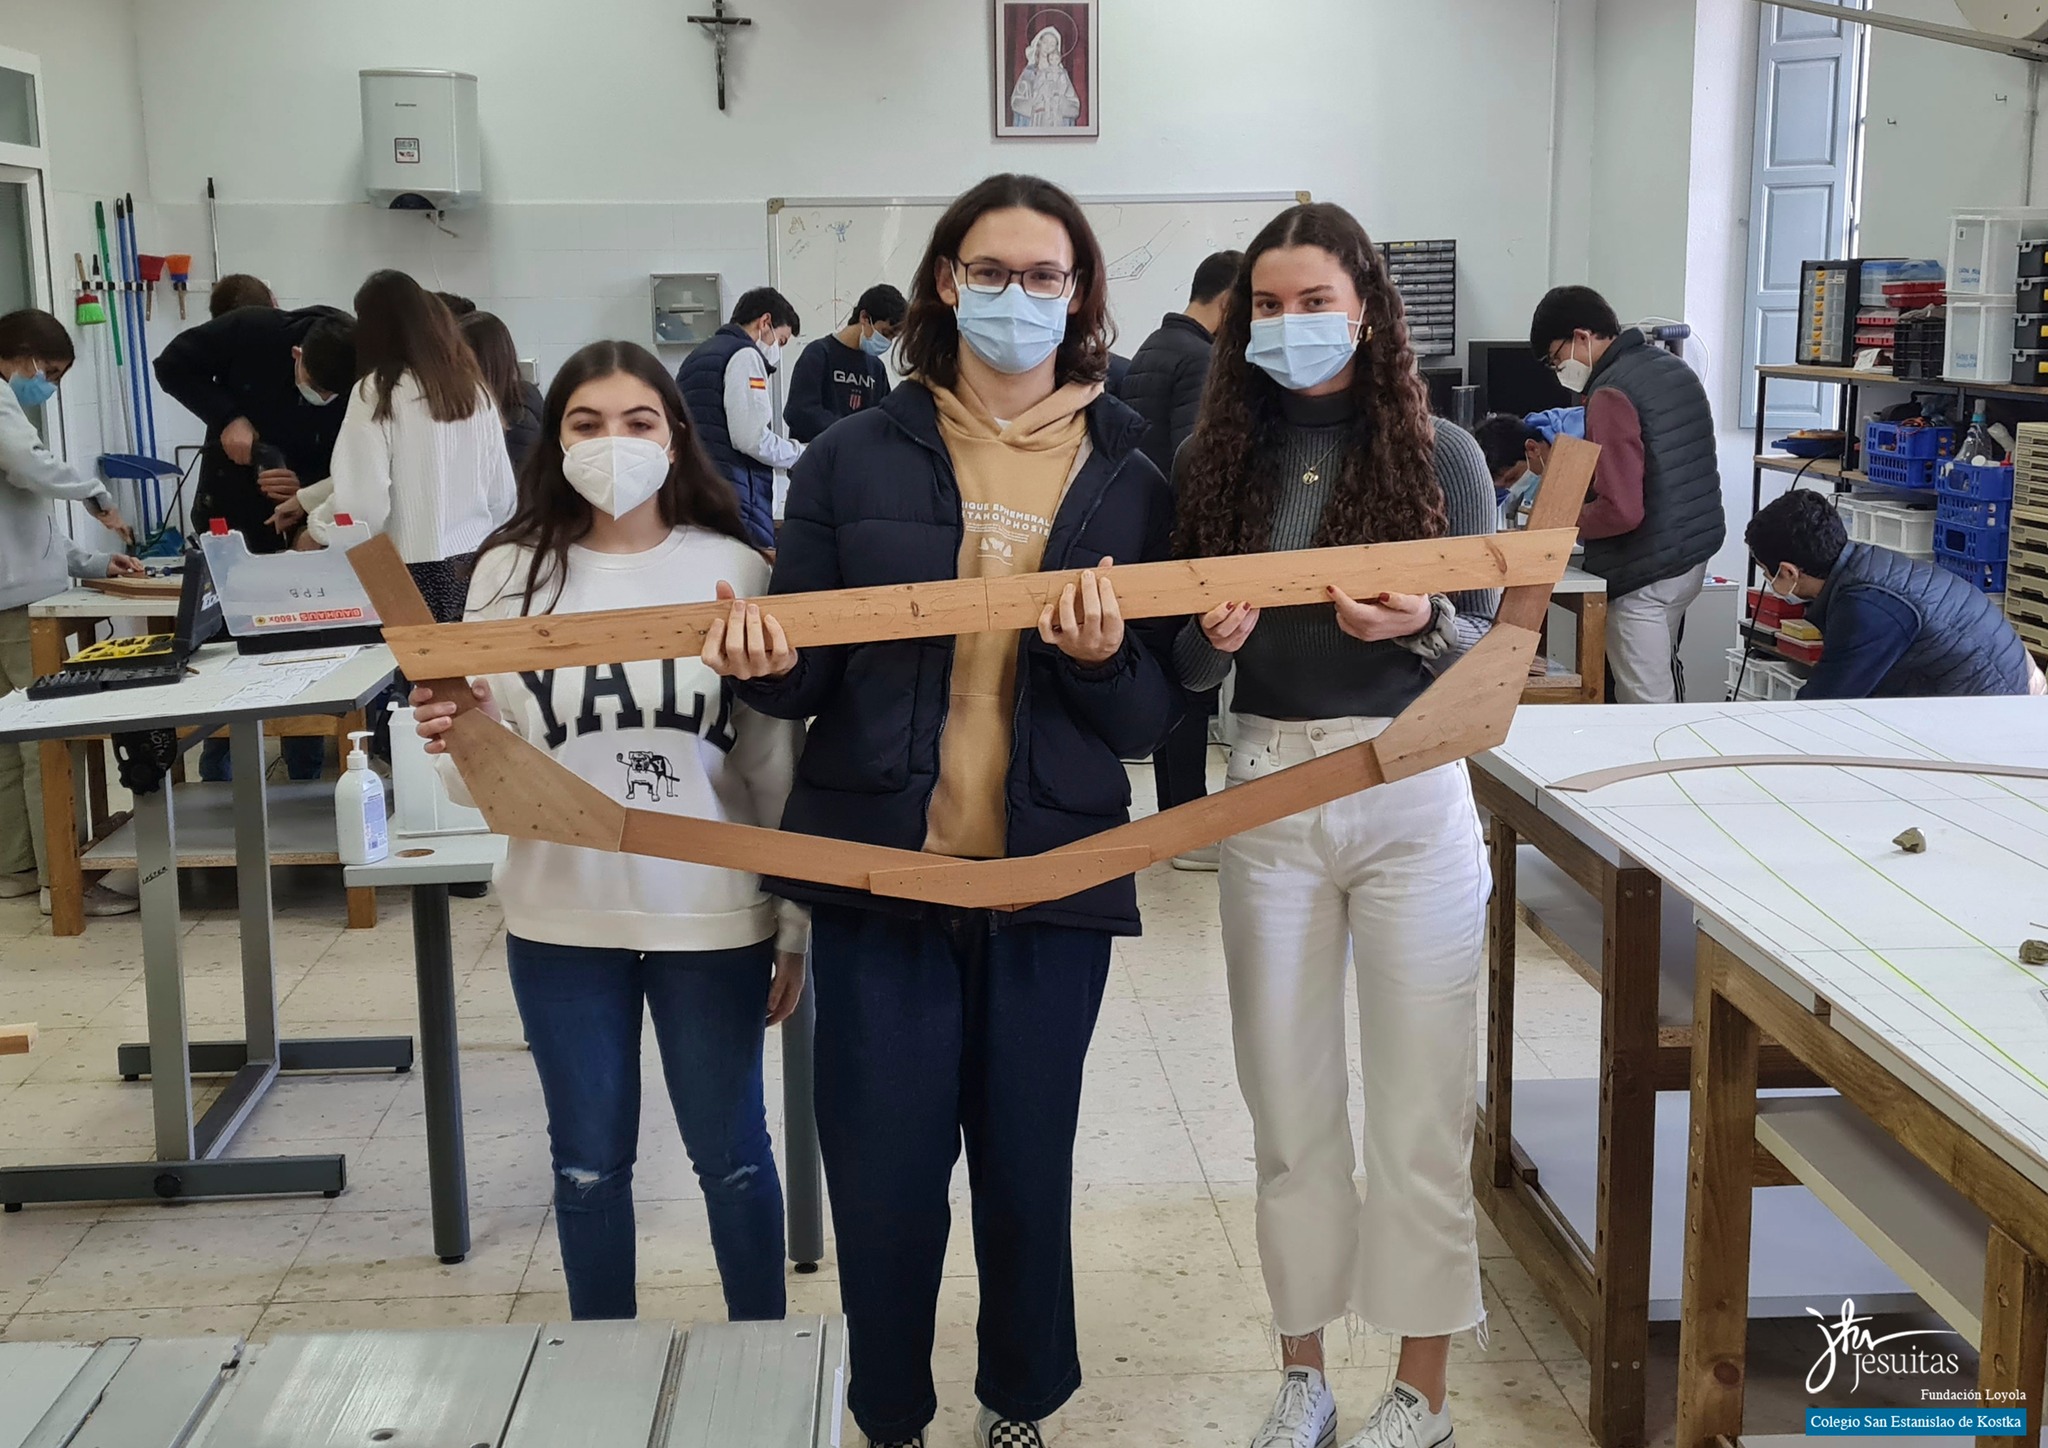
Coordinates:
[1172,1309]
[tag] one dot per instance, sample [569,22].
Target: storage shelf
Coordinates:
[1855,377]
[1814,468]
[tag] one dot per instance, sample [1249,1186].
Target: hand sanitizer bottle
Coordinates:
[359,808]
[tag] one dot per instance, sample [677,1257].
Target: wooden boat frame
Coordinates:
[525,794]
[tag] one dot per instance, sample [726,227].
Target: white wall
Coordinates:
[617,107]
[1643,61]
[1947,132]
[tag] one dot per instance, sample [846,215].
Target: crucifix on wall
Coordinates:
[720,26]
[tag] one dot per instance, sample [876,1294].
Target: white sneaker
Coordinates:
[1402,1420]
[100,902]
[993,1432]
[1303,1416]
[1206,860]
[16,887]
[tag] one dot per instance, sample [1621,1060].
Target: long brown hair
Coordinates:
[1388,490]
[552,516]
[401,327]
[929,343]
[490,341]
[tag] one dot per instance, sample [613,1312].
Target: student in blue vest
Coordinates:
[1894,627]
[843,372]
[725,386]
[619,508]
[1654,518]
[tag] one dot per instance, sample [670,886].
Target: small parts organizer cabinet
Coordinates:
[2026,584]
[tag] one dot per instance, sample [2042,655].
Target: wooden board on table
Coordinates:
[154,590]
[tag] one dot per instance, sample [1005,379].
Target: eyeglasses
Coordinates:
[1043,282]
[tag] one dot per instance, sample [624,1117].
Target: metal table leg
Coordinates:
[447,1173]
[163,969]
[802,1181]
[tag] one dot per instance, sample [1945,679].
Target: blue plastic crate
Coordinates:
[1972,544]
[1991,483]
[1892,471]
[1985,577]
[1928,443]
[1970,514]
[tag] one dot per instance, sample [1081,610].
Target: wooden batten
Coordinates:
[1007,884]
[1465,711]
[933,610]
[1558,501]
[524,793]
[822,861]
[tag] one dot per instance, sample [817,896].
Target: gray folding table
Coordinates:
[427,864]
[220,689]
[518,1385]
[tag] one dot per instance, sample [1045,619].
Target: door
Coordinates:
[1802,173]
[24,255]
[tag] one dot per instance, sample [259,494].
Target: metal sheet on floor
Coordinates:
[61,1422]
[33,1375]
[159,1394]
[400,1389]
[766,1385]
[593,1385]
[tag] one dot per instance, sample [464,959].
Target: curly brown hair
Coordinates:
[1388,490]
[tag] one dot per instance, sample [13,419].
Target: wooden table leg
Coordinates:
[362,909]
[1633,908]
[1500,1007]
[60,814]
[1713,1334]
[2014,1352]
[1592,614]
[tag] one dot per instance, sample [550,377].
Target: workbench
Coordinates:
[520,1385]
[221,689]
[1584,597]
[1585,1179]
[77,821]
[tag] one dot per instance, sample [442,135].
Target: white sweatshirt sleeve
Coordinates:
[750,416]
[33,468]
[360,471]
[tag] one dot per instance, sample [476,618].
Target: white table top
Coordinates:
[1577,580]
[208,693]
[81,602]
[1793,869]
[430,860]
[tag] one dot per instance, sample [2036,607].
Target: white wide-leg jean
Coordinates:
[1394,878]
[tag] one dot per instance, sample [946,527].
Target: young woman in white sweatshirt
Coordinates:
[421,452]
[621,509]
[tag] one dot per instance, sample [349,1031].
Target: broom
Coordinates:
[90,313]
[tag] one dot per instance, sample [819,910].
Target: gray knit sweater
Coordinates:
[1298,664]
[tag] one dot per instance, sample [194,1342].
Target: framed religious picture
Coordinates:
[1048,70]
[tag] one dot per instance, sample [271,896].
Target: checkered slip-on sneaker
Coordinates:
[993,1432]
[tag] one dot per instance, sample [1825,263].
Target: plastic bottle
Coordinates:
[1979,448]
[359,827]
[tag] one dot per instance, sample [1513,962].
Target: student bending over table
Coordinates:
[1893,626]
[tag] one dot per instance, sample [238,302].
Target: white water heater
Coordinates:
[420,150]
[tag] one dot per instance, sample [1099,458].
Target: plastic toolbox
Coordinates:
[1918,345]
[2030,368]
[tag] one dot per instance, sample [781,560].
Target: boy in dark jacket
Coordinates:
[843,372]
[1894,626]
[1164,385]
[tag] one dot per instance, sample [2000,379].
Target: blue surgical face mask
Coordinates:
[1300,350]
[1011,330]
[33,390]
[875,344]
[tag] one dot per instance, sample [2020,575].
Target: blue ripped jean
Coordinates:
[582,1007]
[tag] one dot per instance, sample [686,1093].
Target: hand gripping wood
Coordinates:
[523,792]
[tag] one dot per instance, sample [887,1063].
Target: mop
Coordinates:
[89,316]
[104,267]
[144,467]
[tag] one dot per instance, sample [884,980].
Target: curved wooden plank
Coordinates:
[1601,778]
[932,610]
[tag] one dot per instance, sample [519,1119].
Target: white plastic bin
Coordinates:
[1984,251]
[286,593]
[1886,524]
[1979,346]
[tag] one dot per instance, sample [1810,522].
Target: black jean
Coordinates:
[933,1031]
[1180,767]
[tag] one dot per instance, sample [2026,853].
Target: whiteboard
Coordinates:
[824,252]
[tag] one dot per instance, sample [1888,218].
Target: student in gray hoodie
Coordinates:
[37,558]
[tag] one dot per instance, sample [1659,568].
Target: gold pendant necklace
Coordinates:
[1313,473]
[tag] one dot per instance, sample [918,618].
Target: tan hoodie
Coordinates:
[1012,478]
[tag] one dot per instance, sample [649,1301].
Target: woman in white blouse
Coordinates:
[421,453]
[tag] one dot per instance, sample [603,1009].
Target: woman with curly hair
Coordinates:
[1315,431]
